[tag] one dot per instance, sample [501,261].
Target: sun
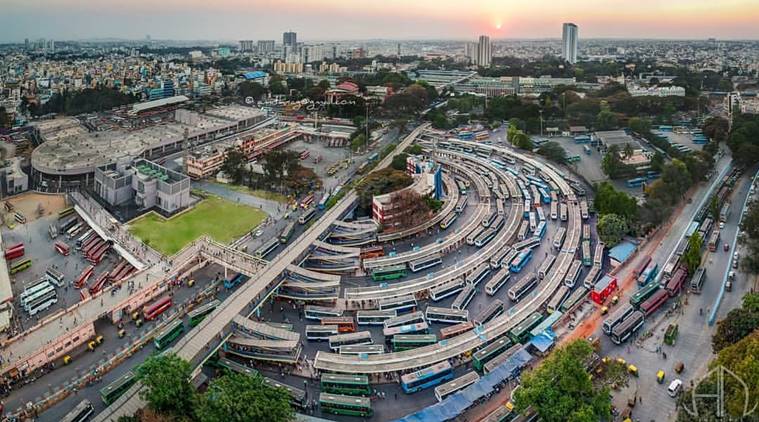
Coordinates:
[498,24]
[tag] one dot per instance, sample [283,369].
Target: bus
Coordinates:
[375,317]
[545,266]
[522,287]
[654,302]
[506,254]
[573,274]
[539,212]
[714,240]
[446,289]
[83,238]
[156,308]
[698,280]
[74,230]
[304,154]
[488,220]
[554,210]
[399,304]
[33,289]
[372,252]
[519,262]
[540,231]
[114,390]
[563,211]
[636,182]
[41,302]
[497,281]
[461,204]
[80,413]
[616,317]
[464,297]
[65,212]
[412,318]
[495,348]
[19,266]
[575,298]
[598,255]
[622,331]
[284,237]
[392,272]
[360,337]
[533,221]
[648,273]
[479,273]
[527,244]
[345,324]
[424,263]
[297,396]
[234,281]
[521,332]
[415,328]
[323,201]
[587,260]
[499,359]
[451,387]
[675,283]
[447,221]
[353,384]
[446,315]
[558,239]
[554,304]
[345,405]
[493,310]
[428,377]
[591,277]
[307,201]
[586,232]
[197,315]
[307,216]
[523,230]
[321,332]
[266,248]
[168,334]
[485,236]
[644,293]
[318,312]
[403,342]
[455,330]
[462,187]
[362,349]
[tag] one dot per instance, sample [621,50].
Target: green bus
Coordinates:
[573,158]
[345,405]
[20,266]
[644,293]
[482,356]
[389,273]
[197,315]
[114,390]
[168,334]
[65,212]
[353,385]
[236,367]
[403,342]
[521,333]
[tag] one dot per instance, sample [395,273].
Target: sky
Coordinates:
[315,20]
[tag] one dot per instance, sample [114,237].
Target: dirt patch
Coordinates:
[29,203]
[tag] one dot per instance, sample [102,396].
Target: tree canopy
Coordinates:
[612,201]
[561,389]
[692,256]
[167,381]
[738,323]
[553,151]
[235,397]
[611,229]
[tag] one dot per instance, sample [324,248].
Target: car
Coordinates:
[674,388]
[729,286]
[726,247]
[259,232]
[721,224]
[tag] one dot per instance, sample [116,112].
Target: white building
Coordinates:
[569,43]
[484,52]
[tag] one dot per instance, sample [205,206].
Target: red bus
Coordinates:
[304,154]
[307,201]
[151,311]
[97,256]
[454,330]
[344,324]
[93,246]
[676,282]
[15,251]
[654,302]
[603,289]
[62,248]
[81,281]
[99,283]
[372,252]
[642,266]
[91,241]
[84,294]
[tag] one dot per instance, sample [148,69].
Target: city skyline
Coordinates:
[393,19]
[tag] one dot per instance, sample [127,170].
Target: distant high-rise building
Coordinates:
[246,45]
[290,38]
[569,43]
[399,49]
[26,43]
[265,46]
[359,53]
[484,52]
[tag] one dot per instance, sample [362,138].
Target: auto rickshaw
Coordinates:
[99,340]
[191,282]
[122,333]
[138,322]
[633,370]
[604,310]
[67,359]
[92,345]
[135,315]
[614,300]
[679,366]
[660,376]
[621,361]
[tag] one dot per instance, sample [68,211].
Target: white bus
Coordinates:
[494,309]
[83,238]
[375,317]
[446,315]
[504,255]
[54,276]
[464,297]
[479,274]
[398,304]
[424,263]
[362,349]
[349,339]
[573,274]
[558,239]
[444,390]
[321,332]
[412,318]
[545,266]
[498,280]
[319,312]
[446,289]
[522,287]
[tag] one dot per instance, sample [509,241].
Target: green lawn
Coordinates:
[223,220]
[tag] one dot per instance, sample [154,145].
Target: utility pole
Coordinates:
[541,122]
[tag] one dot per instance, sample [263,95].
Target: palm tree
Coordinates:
[629,151]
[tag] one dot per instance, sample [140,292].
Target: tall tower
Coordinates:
[484,53]
[290,38]
[569,43]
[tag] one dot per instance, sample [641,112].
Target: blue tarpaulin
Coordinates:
[457,403]
[543,341]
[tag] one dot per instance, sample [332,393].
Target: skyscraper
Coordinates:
[246,45]
[265,46]
[569,43]
[484,53]
[290,38]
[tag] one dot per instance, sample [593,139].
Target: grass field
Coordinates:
[264,194]
[223,220]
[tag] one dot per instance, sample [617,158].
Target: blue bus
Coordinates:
[544,195]
[586,149]
[540,231]
[636,183]
[234,281]
[520,260]
[648,274]
[323,201]
[427,377]
[373,157]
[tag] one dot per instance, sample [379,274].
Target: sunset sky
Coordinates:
[363,19]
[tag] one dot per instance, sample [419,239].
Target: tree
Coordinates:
[612,201]
[380,182]
[553,151]
[692,256]
[521,140]
[639,125]
[561,389]
[606,120]
[716,129]
[254,90]
[740,359]
[612,163]
[399,161]
[611,229]
[167,381]
[737,324]
[657,162]
[235,397]
[234,165]
[6,119]
[714,208]
[358,142]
